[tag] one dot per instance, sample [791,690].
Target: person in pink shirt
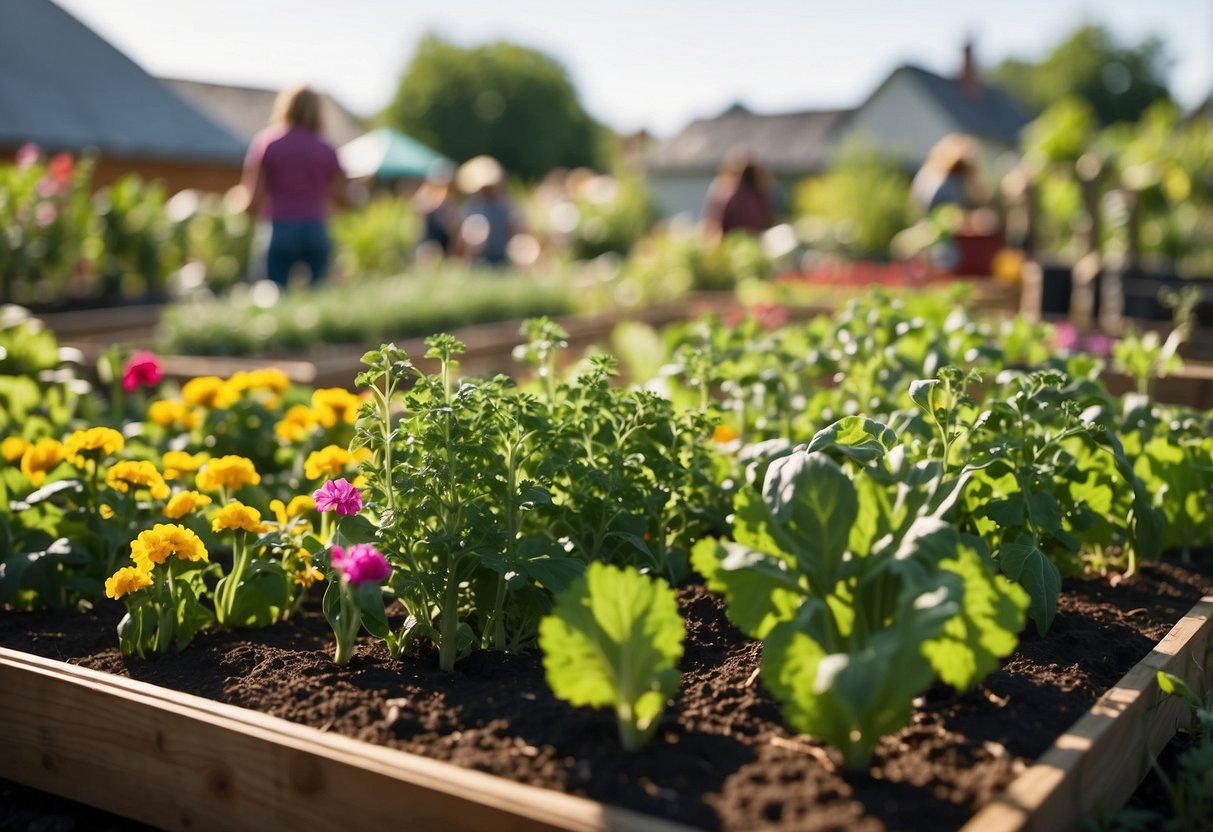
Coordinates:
[292,175]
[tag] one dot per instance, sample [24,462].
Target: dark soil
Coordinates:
[723,758]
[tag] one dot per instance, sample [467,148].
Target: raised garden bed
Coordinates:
[327,747]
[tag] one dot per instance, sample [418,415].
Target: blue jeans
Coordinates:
[297,241]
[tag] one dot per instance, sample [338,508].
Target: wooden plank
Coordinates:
[185,763]
[1097,764]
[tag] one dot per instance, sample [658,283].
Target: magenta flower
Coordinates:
[339,496]
[142,368]
[27,155]
[360,563]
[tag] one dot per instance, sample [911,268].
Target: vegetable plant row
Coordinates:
[883,498]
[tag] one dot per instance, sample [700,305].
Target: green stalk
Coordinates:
[239,564]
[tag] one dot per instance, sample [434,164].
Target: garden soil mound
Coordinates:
[722,758]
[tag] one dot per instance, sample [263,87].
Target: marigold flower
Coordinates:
[210,392]
[177,463]
[142,368]
[13,448]
[185,503]
[126,473]
[307,576]
[298,506]
[724,434]
[330,461]
[126,580]
[106,511]
[339,496]
[360,563]
[40,457]
[164,540]
[229,471]
[297,422]
[94,443]
[267,378]
[171,414]
[335,404]
[236,516]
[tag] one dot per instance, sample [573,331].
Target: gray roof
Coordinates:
[246,110]
[63,87]
[787,143]
[992,114]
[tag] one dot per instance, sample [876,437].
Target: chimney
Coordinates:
[969,82]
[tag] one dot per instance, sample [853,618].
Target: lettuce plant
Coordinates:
[861,592]
[613,640]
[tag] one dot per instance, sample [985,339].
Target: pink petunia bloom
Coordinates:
[339,496]
[360,563]
[142,368]
[27,155]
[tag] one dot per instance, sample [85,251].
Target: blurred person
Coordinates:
[739,198]
[437,204]
[950,175]
[291,174]
[490,218]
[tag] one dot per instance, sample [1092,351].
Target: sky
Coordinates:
[653,64]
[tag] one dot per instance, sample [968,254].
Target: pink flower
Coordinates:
[339,496]
[27,155]
[61,167]
[140,368]
[360,563]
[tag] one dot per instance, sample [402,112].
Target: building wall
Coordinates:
[901,119]
[679,194]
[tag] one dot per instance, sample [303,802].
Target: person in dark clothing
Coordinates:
[739,199]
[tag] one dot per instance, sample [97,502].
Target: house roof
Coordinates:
[246,110]
[64,87]
[785,143]
[992,113]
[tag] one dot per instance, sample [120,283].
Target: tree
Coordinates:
[513,103]
[1119,82]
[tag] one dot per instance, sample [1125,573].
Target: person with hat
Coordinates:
[490,219]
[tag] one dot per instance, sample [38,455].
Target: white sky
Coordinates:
[636,63]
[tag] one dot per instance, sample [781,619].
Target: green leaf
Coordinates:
[613,640]
[813,505]
[857,437]
[921,393]
[370,602]
[987,628]
[758,588]
[260,597]
[1025,563]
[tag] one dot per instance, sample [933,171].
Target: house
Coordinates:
[65,88]
[246,110]
[903,117]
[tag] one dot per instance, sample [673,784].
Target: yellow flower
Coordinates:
[106,512]
[297,423]
[335,404]
[328,461]
[307,576]
[94,443]
[40,457]
[126,580]
[13,448]
[173,414]
[236,515]
[229,471]
[140,474]
[162,541]
[177,463]
[185,503]
[360,482]
[724,434]
[298,506]
[211,392]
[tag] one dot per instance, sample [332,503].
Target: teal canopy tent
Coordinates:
[385,153]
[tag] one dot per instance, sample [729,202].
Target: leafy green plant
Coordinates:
[862,593]
[613,640]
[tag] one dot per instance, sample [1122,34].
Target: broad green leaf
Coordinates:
[758,588]
[813,506]
[857,437]
[987,628]
[613,640]
[1025,563]
[921,393]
